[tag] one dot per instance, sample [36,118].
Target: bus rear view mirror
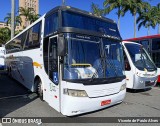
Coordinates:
[61,46]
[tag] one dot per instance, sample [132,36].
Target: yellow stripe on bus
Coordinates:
[37,65]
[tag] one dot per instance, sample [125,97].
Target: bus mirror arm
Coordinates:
[61,46]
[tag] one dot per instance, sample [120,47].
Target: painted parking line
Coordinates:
[0,124]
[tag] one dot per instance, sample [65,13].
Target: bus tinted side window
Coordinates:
[24,38]
[32,37]
[156,44]
[145,44]
[51,24]
[14,46]
[17,44]
[36,32]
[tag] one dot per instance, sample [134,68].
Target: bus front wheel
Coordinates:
[38,82]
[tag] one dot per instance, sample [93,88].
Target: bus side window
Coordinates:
[126,62]
[32,37]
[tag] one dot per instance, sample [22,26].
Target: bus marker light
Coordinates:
[106,102]
[55,96]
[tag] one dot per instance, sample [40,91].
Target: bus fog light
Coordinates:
[123,87]
[75,93]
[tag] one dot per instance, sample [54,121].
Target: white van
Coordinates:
[140,70]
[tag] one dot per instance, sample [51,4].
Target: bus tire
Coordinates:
[9,72]
[38,83]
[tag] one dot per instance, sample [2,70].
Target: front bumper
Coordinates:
[144,82]
[79,105]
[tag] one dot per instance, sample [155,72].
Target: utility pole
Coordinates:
[12,18]
[63,2]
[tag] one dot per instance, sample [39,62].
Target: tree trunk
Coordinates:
[119,23]
[135,25]
[13,18]
[148,30]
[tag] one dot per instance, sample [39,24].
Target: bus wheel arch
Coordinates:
[38,87]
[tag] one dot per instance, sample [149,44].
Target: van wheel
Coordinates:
[38,82]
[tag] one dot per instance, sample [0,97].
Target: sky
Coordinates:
[126,22]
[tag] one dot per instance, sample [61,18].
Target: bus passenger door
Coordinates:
[53,73]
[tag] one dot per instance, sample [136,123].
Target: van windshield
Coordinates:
[140,57]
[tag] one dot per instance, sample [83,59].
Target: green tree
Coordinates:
[95,9]
[148,18]
[158,17]
[135,6]
[115,4]
[26,12]
[33,17]
[4,35]
[8,19]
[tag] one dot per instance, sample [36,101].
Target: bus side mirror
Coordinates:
[61,46]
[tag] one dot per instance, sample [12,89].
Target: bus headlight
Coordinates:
[75,93]
[123,87]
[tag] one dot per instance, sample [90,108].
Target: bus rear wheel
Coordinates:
[38,82]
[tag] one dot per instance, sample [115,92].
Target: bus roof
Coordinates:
[77,11]
[143,38]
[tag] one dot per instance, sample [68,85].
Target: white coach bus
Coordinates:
[73,59]
[2,56]
[140,70]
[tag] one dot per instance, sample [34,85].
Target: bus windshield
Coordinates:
[85,59]
[140,57]
[113,58]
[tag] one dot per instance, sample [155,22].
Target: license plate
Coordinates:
[106,102]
